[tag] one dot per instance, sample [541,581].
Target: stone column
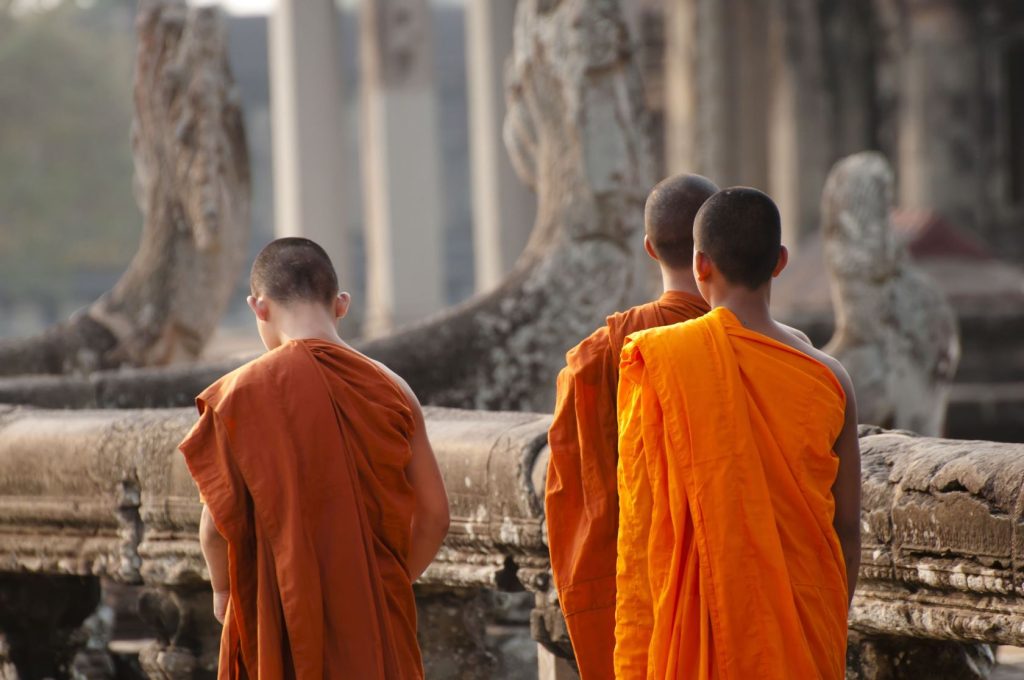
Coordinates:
[503,207]
[716,89]
[401,164]
[308,126]
[941,92]
[799,148]
[551,667]
[699,101]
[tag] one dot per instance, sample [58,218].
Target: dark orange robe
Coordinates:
[581,502]
[729,566]
[300,456]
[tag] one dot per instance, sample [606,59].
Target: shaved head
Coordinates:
[668,217]
[739,229]
[294,270]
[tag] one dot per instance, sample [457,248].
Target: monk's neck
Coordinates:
[307,326]
[679,281]
[299,333]
[751,308]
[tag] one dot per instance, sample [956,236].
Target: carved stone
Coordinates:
[192,186]
[576,126]
[895,332]
[105,493]
[89,493]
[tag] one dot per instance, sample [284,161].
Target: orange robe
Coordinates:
[581,501]
[729,566]
[300,456]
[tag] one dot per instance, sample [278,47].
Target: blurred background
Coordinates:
[938,87]
[755,92]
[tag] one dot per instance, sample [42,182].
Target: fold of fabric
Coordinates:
[581,497]
[728,563]
[300,457]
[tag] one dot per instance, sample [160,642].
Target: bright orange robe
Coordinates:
[581,499]
[300,456]
[729,566]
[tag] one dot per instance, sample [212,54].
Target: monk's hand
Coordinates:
[220,604]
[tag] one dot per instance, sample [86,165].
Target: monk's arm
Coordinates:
[430,518]
[215,551]
[846,489]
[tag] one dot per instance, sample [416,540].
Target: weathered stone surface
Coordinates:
[105,493]
[941,536]
[576,127]
[895,332]
[192,185]
[91,493]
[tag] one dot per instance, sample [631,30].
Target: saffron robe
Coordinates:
[300,456]
[581,498]
[729,566]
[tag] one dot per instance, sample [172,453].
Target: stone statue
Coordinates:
[577,130]
[895,332]
[192,186]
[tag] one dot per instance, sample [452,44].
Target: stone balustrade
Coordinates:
[90,494]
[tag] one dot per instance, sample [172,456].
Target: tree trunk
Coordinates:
[192,185]
[577,132]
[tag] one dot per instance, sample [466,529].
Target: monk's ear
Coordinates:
[701,266]
[649,247]
[341,304]
[259,307]
[783,261]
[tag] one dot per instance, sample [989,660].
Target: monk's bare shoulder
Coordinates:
[400,382]
[797,333]
[798,340]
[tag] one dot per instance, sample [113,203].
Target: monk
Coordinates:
[739,477]
[581,498]
[323,501]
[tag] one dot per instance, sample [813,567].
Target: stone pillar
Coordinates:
[799,148]
[401,164]
[716,89]
[699,102]
[308,126]
[940,95]
[551,667]
[503,207]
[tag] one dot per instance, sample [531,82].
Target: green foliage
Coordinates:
[66,204]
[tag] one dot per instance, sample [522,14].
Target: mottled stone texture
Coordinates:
[89,494]
[576,127]
[942,569]
[86,494]
[895,332]
[192,186]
